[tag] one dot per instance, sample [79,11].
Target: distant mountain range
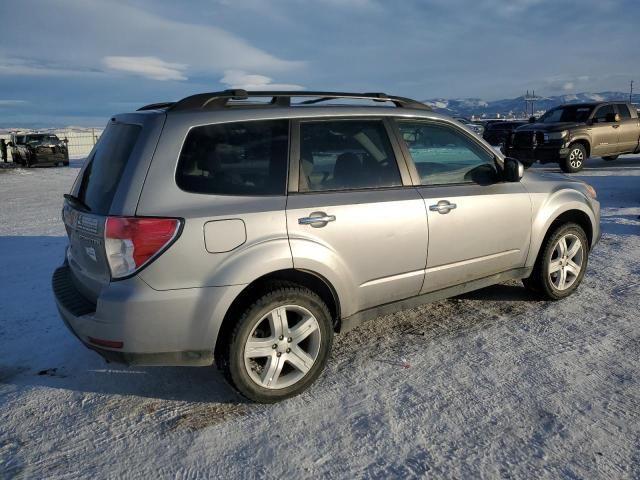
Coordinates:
[515,107]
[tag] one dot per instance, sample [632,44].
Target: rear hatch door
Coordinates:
[94,193]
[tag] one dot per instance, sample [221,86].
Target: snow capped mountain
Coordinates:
[516,106]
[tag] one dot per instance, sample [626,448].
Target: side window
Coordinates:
[603,114]
[623,110]
[443,155]
[241,158]
[346,154]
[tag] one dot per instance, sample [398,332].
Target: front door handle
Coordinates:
[317,219]
[615,126]
[443,206]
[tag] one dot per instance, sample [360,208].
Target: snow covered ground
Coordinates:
[493,384]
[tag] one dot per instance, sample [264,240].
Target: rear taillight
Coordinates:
[131,242]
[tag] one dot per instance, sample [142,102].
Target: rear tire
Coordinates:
[610,158]
[561,263]
[575,160]
[279,346]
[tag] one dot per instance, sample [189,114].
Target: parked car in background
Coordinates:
[498,132]
[570,134]
[221,228]
[39,149]
[476,127]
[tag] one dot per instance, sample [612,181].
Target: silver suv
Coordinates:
[247,228]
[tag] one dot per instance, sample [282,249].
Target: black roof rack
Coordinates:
[156,106]
[216,100]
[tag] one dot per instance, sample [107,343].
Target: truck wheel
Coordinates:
[610,158]
[575,160]
[561,263]
[279,346]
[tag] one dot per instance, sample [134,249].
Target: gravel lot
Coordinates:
[493,384]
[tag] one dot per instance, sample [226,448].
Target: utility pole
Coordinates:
[631,92]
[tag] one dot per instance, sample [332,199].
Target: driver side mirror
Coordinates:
[513,170]
[66,140]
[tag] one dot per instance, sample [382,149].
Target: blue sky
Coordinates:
[75,62]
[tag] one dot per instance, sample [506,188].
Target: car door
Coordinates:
[629,130]
[478,224]
[353,215]
[604,131]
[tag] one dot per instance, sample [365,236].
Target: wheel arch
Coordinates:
[573,214]
[261,285]
[584,142]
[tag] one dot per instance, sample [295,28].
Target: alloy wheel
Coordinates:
[566,263]
[576,157]
[282,347]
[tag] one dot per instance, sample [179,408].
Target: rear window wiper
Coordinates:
[76,202]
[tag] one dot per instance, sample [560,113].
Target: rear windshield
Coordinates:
[101,177]
[240,158]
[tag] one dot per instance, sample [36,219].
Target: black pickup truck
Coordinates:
[570,134]
[38,149]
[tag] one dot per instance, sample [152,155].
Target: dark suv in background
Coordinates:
[498,132]
[39,148]
[569,134]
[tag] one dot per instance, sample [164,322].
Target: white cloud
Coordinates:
[24,67]
[84,33]
[11,103]
[252,81]
[568,86]
[148,67]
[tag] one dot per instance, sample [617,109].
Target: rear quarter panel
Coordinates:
[187,263]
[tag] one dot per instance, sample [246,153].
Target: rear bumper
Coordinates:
[170,327]
[539,154]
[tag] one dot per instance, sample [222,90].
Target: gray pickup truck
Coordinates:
[570,134]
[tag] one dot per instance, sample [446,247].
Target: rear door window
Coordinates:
[623,110]
[239,158]
[104,170]
[346,154]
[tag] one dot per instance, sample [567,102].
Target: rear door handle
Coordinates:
[443,206]
[317,219]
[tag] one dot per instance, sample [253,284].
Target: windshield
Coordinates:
[42,139]
[571,113]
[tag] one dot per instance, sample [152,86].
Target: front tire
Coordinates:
[279,346]
[561,263]
[575,160]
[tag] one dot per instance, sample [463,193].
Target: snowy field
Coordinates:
[493,384]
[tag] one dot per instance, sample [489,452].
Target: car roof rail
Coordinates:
[156,106]
[219,100]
